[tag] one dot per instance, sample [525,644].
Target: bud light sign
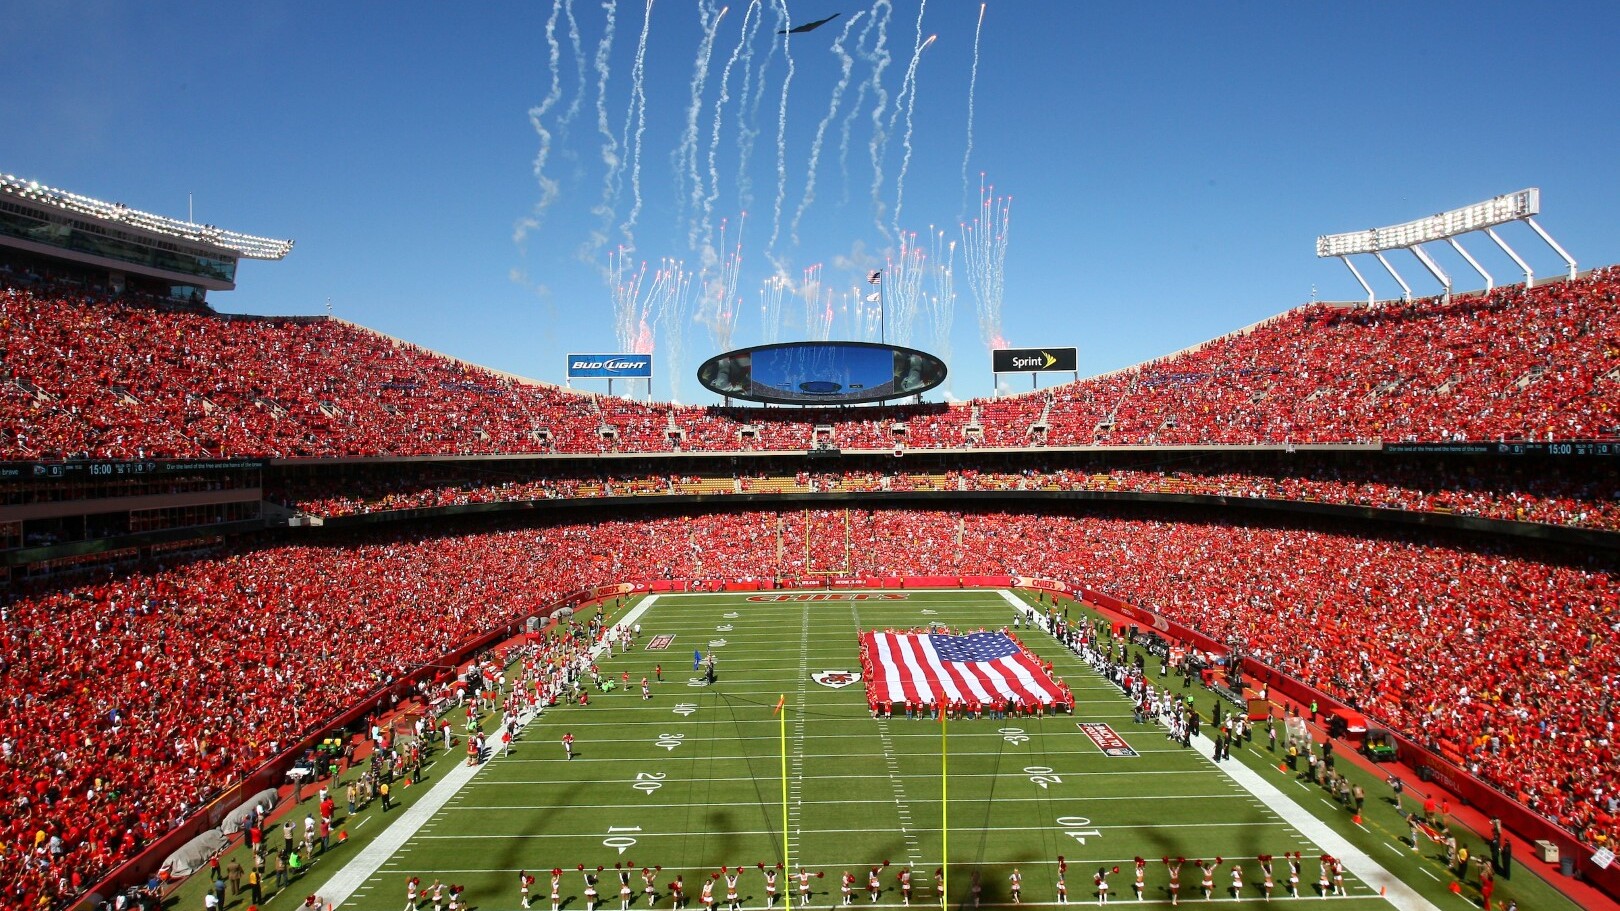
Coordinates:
[610,366]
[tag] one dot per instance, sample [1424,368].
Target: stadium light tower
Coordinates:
[1523,206]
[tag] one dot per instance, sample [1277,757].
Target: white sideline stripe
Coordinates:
[343,885]
[1357,861]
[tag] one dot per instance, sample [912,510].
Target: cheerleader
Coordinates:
[455,898]
[1140,885]
[1322,884]
[848,887]
[905,886]
[939,884]
[1175,880]
[1062,890]
[977,888]
[410,892]
[438,895]
[804,887]
[1338,877]
[524,879]
[770,887]
[1016,884]
[731,890]
[1237,882]
[677,893]
[1101,882]
[556,890]
[1293,875]
[1208,883]
[625,892]
[874,886]
[590,892]
[708,894]
[649,885]
[1266,881]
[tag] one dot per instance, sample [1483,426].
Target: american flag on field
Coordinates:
[978,667]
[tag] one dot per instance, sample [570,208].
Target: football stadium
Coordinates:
[871,607]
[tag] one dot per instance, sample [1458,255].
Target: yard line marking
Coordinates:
[1429,875]
[885,801]
[1397,851]
[371,858]
[843,831]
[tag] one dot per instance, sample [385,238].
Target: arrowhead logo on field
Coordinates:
[836,679]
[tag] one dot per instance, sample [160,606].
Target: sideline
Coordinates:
[343,884]
[1355,860]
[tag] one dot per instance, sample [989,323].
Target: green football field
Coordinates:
[692,780]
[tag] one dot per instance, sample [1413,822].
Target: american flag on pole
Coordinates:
[978,667]
[876,278]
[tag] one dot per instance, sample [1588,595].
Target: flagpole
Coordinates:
[944,817]
[787,860]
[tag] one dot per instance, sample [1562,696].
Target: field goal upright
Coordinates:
[812,538]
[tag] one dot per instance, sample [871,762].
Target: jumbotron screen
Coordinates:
[821,373]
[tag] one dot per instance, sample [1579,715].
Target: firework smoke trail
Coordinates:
[902,289]
[744,40]
[548,185]
[973,85]
[753,91]
[942,302]
[686,153]
[611,161]
[810,293]
[846,63]
[625,291]
[909,90]
[984,253]
[579,68]
[638,103]
[719,304]
[781,133]
[880,137]
[819,319]
[673,310]
[863,50]
[770,306]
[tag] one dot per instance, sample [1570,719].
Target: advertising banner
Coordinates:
[610,366]
[1034,360]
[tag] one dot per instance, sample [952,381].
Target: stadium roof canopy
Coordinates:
[246,246]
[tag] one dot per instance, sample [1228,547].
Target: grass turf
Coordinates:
[691,781]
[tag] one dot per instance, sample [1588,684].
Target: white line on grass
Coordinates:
[886,801]
[1355,860]
[840,831]
[408,824]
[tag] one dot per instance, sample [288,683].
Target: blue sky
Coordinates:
[1169,165]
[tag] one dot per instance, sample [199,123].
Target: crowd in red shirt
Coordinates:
[1584,498]
[134,699]
[122,379]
